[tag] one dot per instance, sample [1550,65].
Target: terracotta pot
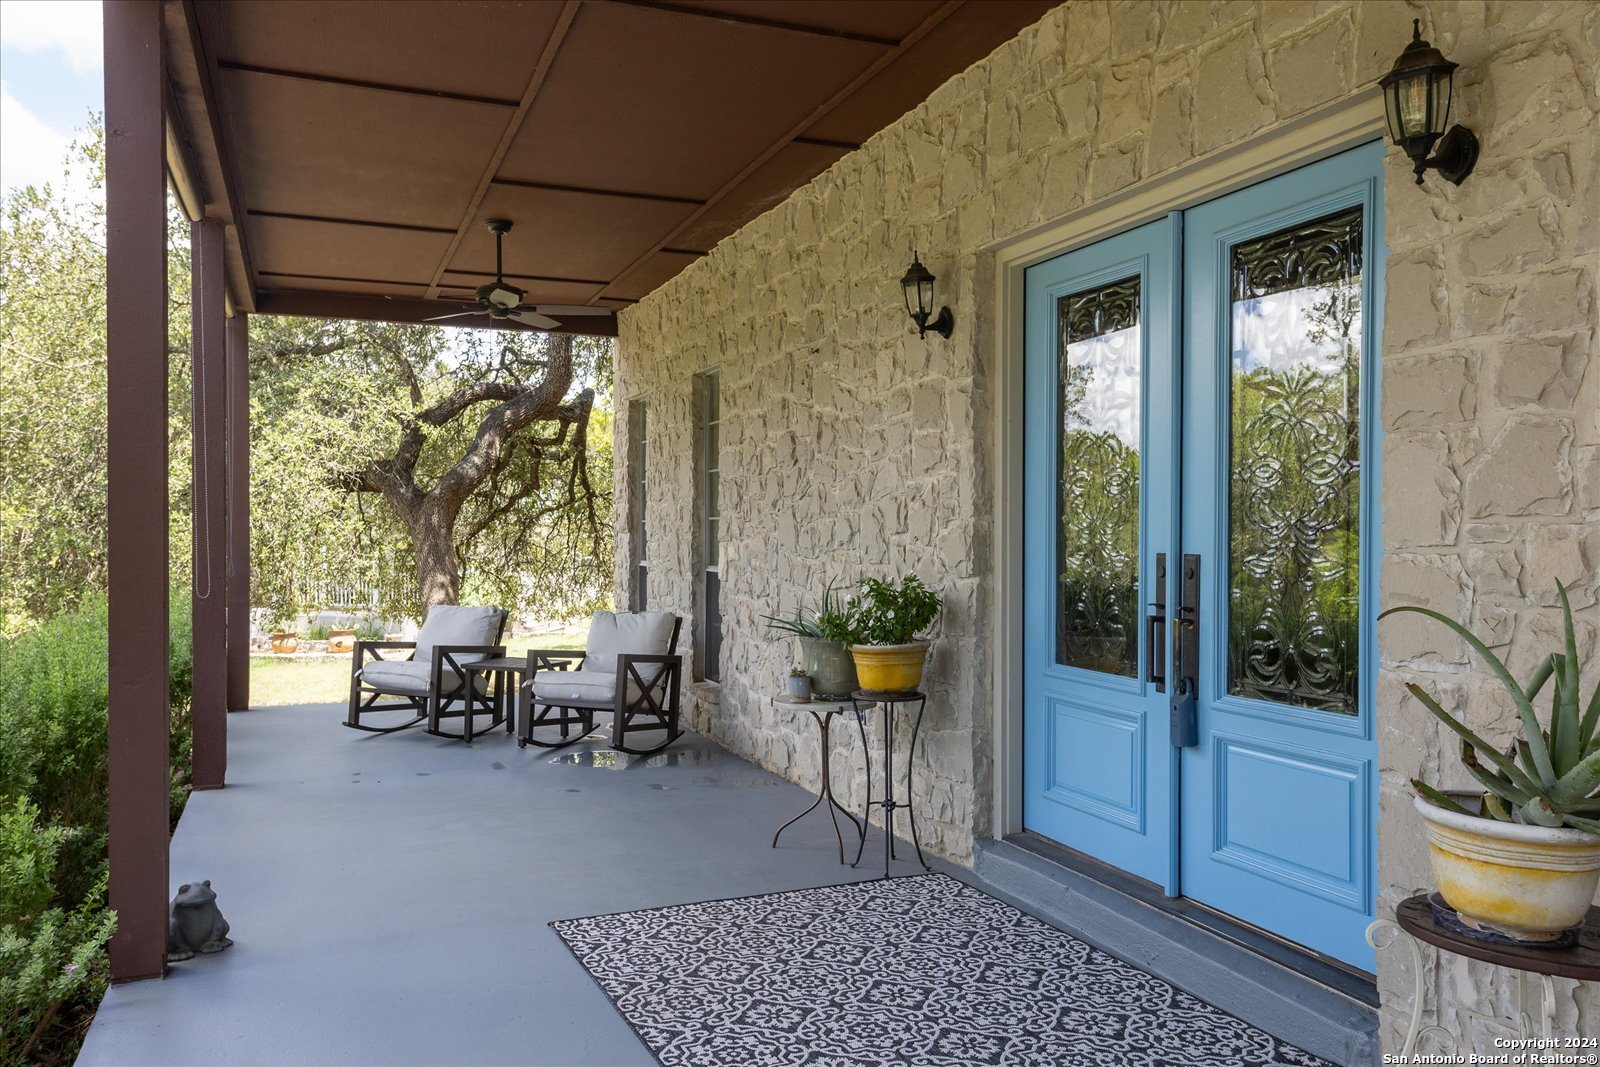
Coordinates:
[1530,883]
[832,670]
[284,644]
[341,640]
[890,668]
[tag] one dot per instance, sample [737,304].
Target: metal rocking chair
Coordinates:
[430,679]
[630,668]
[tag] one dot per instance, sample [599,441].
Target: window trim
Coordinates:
[708,477]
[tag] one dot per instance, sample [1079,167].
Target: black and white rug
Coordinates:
[923,970]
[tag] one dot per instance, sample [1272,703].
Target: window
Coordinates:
[640,594]
[709,418]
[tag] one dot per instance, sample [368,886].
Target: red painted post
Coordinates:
[208,504]
[136,504]
[238,512]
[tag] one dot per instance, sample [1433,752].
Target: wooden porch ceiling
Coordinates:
[356,146]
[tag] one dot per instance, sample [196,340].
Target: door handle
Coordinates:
[1155,630]
[1183,708]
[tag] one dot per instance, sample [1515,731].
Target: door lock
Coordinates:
[1155,630]
[1183,707]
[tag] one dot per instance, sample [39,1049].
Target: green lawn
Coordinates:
[285,680]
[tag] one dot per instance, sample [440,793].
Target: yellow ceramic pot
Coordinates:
[1527,882]
[890,668]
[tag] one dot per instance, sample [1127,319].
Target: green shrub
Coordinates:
[369,630]
[50,957]
[54,922]
[317,632]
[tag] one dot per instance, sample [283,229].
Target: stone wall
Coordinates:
[850,447]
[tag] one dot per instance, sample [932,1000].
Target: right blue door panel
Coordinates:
[1199,393]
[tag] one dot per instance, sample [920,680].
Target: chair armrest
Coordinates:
[553,659]
[366,650]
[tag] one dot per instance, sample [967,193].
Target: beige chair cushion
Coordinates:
[579,688]
[405,677]
[645,633]
[450,624]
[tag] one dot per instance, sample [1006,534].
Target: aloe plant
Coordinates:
[829,623]
[1551,776]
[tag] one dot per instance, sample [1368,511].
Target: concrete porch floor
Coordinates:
[389,894]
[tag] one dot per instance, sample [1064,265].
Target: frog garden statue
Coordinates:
[194,924]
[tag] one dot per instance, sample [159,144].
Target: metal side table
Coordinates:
[862,701]
[500,678]
[1414,921]
[822,712]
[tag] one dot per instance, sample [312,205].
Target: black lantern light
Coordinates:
[917,288]
[1416,101]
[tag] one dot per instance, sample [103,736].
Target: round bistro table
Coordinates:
[1415,923]
[822,712]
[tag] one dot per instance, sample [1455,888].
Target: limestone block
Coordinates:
[1124,102]
[1171,134]
[1414,312]
[1313,68]
[1185,24]
[1428,392]
[1545,372]
[1524,238]
[1116,168]
[1135,25]
[1231,98]
[1552,301]
[1539,633]
[1569,554]
[1280,17]
[1524,470]
[1437,582]
[1422,494]
[1586,477]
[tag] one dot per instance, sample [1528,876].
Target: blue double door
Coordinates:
[1201,547]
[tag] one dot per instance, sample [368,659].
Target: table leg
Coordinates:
[866,761]
[822,728]
[1416,1031]
[911,810]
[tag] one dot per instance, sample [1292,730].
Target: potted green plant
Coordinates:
[824,646]
[884,621]
[799,686]
[1521,861]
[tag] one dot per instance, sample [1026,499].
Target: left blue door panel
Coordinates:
[1100,481]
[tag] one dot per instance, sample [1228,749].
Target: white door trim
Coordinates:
[1316,135]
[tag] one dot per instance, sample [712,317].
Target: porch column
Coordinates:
[238,356]
[208,504]
[136,498]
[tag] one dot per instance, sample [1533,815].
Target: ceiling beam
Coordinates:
[232,192]
[587,190]
[296,217]
[407,310]
[871,71]
[541,70]
[766,23]
[357,83]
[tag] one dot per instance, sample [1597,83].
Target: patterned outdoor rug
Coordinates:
[923,970]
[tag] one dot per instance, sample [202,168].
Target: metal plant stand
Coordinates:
[891,704]
[1414,921]
[822,712]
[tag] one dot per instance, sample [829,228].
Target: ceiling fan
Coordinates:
[501,301]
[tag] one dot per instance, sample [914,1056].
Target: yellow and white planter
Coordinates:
[890,668]
[1527,882]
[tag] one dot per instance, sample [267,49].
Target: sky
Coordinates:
[50,83]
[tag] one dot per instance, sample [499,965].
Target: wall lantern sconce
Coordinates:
[1416,101]
[917,288]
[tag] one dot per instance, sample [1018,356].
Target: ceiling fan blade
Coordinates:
[533,318]
[568,309]
[457,315]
